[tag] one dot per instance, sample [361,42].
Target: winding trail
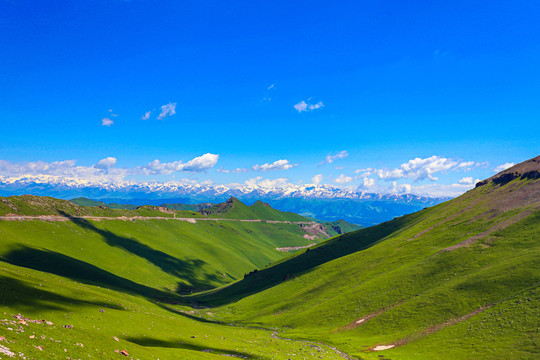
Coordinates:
[15,217]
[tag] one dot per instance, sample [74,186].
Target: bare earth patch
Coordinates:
[499,226]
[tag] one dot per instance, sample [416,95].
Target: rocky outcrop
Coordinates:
[529,169]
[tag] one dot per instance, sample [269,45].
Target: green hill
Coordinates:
[190,207]
[31,205]
[168,253]
[114,273]
[460,280]
[235,209]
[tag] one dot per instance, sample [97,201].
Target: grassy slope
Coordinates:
[42,205]
[397,271]
[156,253]
[65,271]
[146,329]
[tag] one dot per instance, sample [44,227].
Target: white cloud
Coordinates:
[104,170]
[167,110]
[503,167]
[368,182]
[343,179]
[201,163]
[267,183]
[198,164]
[106,122]
[303,106]
[270,87]
[419,169]
[466,164]
[316,106]
[331,158]
[365,172]
[66,168]
[106,163]
[282,164]
[146,115]
[466,180]
[317,179]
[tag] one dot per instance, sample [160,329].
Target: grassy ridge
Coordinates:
[42,205]
[410,292]
[235,209]
[98,315]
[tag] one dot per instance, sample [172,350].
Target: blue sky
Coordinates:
[379,83]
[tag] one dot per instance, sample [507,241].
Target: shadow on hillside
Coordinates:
[15,292]
[77,270]
[188,270]
[332,249]
[182,344]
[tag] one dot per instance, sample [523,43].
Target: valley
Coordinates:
[458,280]
[269,180]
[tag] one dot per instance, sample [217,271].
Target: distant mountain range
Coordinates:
[319,201]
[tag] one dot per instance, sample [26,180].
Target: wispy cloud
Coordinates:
[106,122]
[331,158]
[233,171]
[503,167]
[167,110]
[419,169]
[259,181]
[304,106]
[438,190]
[146,115]
[282,164]
[102,171]
[270,87]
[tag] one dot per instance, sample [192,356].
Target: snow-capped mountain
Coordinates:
[324,202]
[66,188]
